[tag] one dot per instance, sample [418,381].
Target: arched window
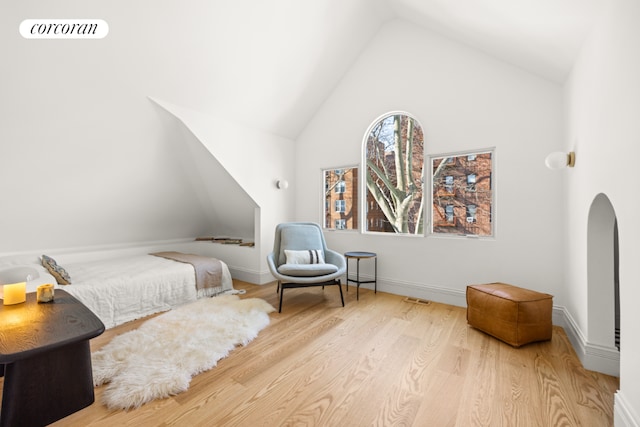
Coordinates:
[394,175]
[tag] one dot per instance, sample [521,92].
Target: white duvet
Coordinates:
[123,289]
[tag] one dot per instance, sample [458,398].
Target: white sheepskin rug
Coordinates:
[159,358]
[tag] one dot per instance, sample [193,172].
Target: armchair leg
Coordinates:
[282,287]
[281,293]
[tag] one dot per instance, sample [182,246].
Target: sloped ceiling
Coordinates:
[269,64]
[542,36]
[286,56]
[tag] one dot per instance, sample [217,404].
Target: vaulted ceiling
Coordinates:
[287,55]
[542,36]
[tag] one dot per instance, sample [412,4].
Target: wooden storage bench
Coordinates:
[514,315]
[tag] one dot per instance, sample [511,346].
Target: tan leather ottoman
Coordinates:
[514,315]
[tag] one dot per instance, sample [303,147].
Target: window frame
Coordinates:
[470,156]
[328,210]
[363,194]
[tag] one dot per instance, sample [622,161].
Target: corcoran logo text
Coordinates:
[64,28]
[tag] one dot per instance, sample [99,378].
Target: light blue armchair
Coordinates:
[300,258]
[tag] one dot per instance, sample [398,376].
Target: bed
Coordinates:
[122,289]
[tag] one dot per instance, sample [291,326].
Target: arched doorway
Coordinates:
[602,271]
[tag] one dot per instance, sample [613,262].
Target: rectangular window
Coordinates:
[448,211]
[466,212]
[448,184]
[340,198]
[471,213]
[471,182]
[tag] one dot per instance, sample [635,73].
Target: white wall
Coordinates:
[85,158]
[88,160]
[603,101]
[464,100]
[245,192]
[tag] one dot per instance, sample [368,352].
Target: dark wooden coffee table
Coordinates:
[45,355]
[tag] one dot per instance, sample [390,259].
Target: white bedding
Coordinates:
[124,289]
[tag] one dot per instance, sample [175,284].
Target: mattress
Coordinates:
[123,289]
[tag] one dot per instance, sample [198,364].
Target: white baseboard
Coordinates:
[417,290]
[594,357]
[250,276]
[623,413]
[244,275]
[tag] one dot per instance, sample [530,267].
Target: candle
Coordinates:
[14,293]
[44,293]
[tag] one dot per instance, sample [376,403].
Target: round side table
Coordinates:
[358,255]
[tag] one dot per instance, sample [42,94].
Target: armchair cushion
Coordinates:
[307,270]
[312,256]
[299,237]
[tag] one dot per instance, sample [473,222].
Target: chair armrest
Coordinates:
[271,263]
[336,258]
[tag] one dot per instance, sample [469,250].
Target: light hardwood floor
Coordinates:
[380,361]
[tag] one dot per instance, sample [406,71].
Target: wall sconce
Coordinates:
[282,184]
[14,293]
[560,159]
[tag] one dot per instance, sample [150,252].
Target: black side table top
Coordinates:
[359,254]
[29,328]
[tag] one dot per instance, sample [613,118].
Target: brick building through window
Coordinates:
[341,198]
[463,194]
